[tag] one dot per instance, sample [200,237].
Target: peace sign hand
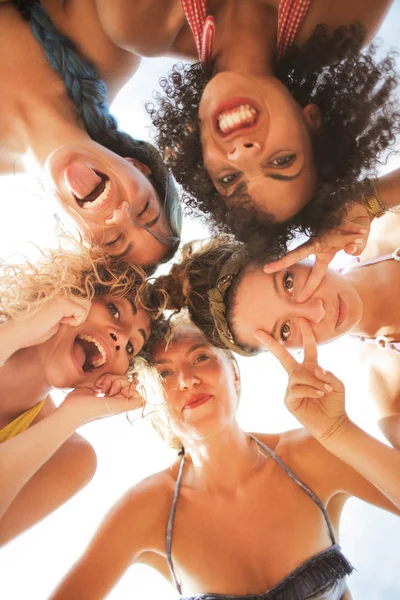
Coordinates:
[314,396]
[351,236]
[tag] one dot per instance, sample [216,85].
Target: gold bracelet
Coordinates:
[372,201]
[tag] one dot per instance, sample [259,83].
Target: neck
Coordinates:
[366,326]
[230,451]
[247,25]
[23,381]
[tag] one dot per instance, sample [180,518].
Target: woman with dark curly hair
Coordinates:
[71,320]
[267,138]
[55,118]
[234,301]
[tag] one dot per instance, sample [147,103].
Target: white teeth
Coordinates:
[102,198]
[240,115]
[97,362]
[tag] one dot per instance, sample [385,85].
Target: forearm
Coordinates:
[375,461]
[23,455]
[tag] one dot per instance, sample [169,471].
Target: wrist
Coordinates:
[71,416]
[336,435]
[371,200]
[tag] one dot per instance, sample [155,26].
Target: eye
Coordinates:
[285,332]
[130,349]
[114,310]
[283,161]
[288,282]
[201,358]
[228,179]
[165,374]
[114,242]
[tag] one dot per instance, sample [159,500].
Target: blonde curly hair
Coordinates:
[71,269]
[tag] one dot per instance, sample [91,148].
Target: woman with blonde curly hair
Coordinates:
[69,321]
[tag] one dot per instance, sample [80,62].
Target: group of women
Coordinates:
[274,125]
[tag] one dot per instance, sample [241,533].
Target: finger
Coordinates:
[285,358]
[290,258]
[352,227]
[304,391]
[356,247]
[309,343]
[305,377]
[314,279]
[329,378]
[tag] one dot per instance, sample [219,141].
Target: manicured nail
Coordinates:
[328,387]
[320,393]
[359,240]
[364,231]
[319,370]
[354,250]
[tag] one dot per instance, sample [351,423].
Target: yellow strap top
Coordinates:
[21,423]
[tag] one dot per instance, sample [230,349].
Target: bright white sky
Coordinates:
[32,565]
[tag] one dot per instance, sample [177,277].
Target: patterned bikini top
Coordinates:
[291,14]
[381,341]
[321,577]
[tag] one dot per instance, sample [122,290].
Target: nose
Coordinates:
[313,310]
[119,215]
[119,338]
[242,150]
[187,380]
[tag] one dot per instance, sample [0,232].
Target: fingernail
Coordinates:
[328,387]
[364,231]
[354,250]
[359,240]
[320,393]
[319,370]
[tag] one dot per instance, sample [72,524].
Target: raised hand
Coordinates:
[44,323]
[351,236]
[314,396]
[110,395]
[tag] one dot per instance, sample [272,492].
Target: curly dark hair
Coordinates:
[356,93]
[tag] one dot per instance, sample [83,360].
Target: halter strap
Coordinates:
[291,14]
[203,27]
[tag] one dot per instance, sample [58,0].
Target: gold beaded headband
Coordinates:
[216,299]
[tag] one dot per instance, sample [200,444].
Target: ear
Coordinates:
[313,116]
[139,165]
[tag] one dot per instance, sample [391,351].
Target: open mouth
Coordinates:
[89,353]
[90,188]
[342,313]
[237,117]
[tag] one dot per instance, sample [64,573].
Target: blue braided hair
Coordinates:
[89,94]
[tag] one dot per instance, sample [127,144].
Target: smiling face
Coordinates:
[268,302]
[111,199]
[257,144]
[114,332]
[200,383]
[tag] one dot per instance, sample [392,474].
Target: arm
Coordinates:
[388,188]
[29,453]
[133,527]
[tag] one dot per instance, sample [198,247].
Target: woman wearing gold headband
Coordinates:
[238,513]
[69,321]
[234,301]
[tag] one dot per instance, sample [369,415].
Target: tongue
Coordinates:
[81,179]
[79,353]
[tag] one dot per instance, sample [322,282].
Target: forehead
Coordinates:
[184,338]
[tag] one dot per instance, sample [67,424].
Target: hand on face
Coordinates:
[351,236]
[314,396]
[110,395]
[44,323]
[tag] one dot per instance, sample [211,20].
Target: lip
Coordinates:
[342,312]
[233,103]
[196,401]
[102,341]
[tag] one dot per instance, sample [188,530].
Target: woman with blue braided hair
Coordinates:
[55,115]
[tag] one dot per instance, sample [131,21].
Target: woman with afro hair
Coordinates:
[272,131]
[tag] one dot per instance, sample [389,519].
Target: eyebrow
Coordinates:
[124,253]
[163,361]
[144,336]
